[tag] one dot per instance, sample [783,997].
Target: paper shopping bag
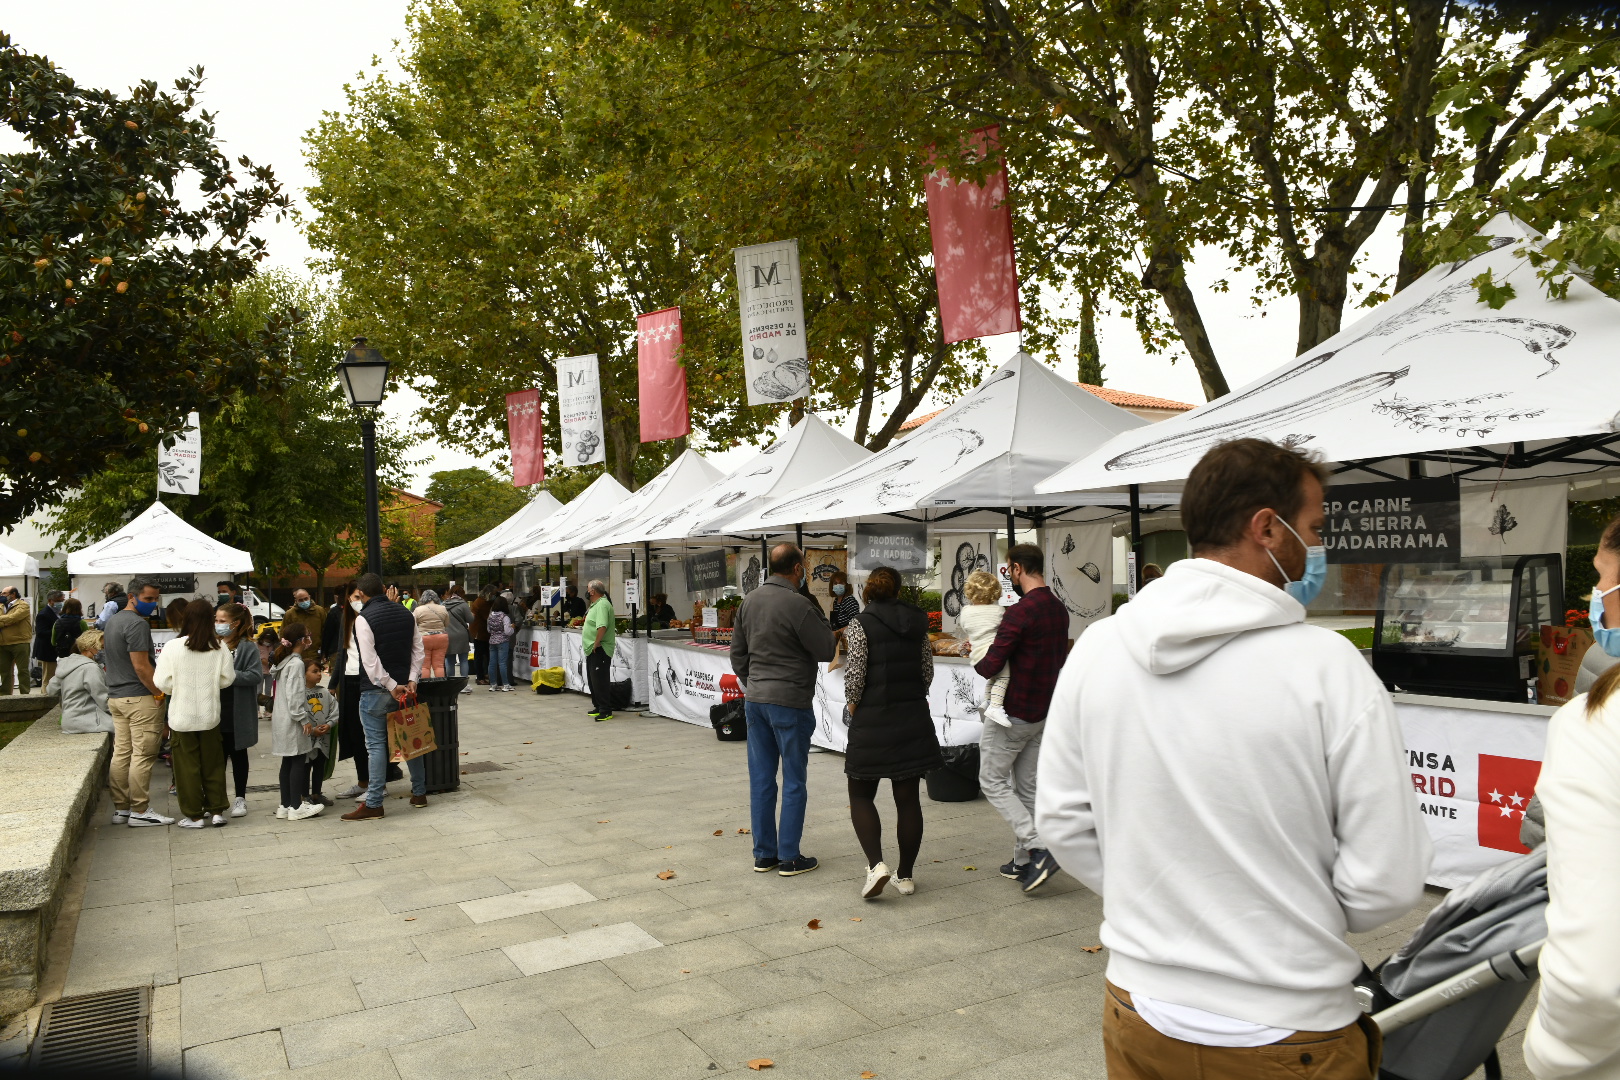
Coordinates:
[410,731]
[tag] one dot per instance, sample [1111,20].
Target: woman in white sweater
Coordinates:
[191,671]
[1575,1032]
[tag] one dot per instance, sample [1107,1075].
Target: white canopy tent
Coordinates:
[988,450]
[20,567]
[487,548]
[158,542]
[1432,375]
[684,477]
[810,452]
[603,494]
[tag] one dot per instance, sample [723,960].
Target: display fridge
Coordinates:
[1466,629]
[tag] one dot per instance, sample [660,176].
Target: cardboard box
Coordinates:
[1558,658]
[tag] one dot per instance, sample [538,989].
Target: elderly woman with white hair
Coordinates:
[434,622]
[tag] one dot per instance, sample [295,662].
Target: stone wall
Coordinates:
[49,785]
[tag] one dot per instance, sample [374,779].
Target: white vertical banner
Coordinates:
[1514,519]
[1080,571]
[180,461]
[772,305]
[579,408]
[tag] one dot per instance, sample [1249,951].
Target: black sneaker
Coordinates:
[1014,871]
[765,866]
[603,716]
[794,867]
[1041,866]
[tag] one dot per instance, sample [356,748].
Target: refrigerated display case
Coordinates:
[1467,629]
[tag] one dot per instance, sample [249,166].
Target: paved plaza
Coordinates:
[584,908]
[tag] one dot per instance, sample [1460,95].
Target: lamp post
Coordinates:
[364,374]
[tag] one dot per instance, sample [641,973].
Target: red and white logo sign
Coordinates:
[730,688]
[1505,787]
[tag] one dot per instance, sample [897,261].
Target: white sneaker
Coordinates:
[876,877]
[997,714]
[219,821]
[308,810]
[281,813]
[904,886]
[150,817]
[494,689]
[353,791]
[194,823]
[466,689]
[120,817]
[239,807]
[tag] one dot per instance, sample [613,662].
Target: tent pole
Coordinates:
[798,534]
[1012,540]
[764,559]
[1414,469]
[646,560]
[1136,536]
[633,612]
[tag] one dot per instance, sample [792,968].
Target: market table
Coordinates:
[562,646]
[1474,766]
[687,679]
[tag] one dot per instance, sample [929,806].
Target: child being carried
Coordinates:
[981,618]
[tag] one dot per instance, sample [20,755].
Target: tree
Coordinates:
[124,229]
[1091,365]
[474,502]
[282,477]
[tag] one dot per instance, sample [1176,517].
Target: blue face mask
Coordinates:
[1308,587]
[223,629]
[838,590]
[147,608]
[303,604]
[1608,640]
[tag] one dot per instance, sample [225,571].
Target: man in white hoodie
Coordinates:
[1231,781]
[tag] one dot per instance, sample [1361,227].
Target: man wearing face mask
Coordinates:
[136,706]
[313,616]
[44,648]
[1031,642]
[16,641]
[777,639]
[1232,782]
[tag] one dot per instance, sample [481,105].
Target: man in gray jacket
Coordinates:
[779,637]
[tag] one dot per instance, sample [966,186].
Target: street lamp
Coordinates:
[364,375]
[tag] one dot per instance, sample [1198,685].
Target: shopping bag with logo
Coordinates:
[410,731]
[1560,655]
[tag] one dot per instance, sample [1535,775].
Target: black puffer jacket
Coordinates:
[891,733]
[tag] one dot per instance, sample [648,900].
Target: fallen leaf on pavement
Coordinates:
[605,821]
[868,1076]
[411,919]
[719,832]
[853,919]
[528,742]
[665,875]
[813,924]
[970,867]
[686,971]
[744,832]
[761,1063]
[1091,948]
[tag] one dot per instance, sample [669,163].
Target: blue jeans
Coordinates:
[455,663]
[375,705]
[500,664]
[777,733]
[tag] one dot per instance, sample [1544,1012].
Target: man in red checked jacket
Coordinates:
[1032,643]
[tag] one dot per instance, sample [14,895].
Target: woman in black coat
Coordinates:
[239,702]
[891,732]
[338,643]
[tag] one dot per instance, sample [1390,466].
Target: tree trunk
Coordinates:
[622,447]
[1164,275]
[1413,264]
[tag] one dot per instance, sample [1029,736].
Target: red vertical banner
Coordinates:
[971,227]
[664,414]
[526,436]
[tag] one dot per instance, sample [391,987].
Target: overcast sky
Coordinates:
[272,70]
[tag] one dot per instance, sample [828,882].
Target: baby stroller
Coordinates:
[1445,997]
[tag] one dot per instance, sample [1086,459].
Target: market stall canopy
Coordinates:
[987,450]
[489,547]
[158,542]
[684,477]
[811,451]
[1431,373]
[603,495]
[14,563]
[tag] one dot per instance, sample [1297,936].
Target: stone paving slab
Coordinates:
[518,928]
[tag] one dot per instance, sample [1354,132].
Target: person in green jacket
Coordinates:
[597,637]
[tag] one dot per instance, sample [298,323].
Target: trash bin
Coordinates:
[957,778]
[442,767]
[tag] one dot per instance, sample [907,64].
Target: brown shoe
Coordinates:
[363,813]
[418,800]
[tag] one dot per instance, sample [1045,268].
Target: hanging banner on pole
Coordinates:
[579,410]
[971,227]
[180,461]
[772,305]
[661,376]
[526,438]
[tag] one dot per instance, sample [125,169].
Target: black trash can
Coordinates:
[442,767]
[957,778]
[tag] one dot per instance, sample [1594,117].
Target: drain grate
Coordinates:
[480,766]
[98,1034]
